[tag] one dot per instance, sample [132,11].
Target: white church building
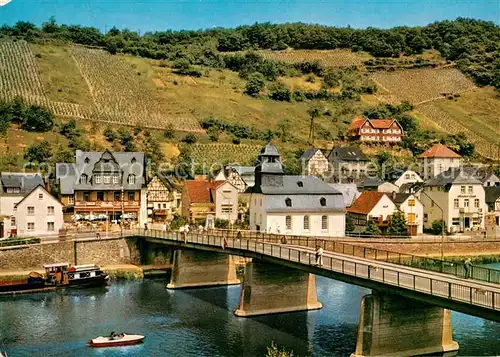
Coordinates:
[294,205]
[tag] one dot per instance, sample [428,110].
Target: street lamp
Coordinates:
[442,220]
[123,214]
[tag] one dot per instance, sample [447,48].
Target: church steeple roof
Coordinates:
[269,161]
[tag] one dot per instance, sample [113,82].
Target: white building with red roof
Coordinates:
[376,130]
[437,160]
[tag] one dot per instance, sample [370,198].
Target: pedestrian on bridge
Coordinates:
[164,227]
[468,268]
[319,255]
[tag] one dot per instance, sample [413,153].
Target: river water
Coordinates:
[197,322]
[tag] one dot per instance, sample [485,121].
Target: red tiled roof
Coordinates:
[381,123]
[201,191]
[356,124]
[365,202]
[440,150]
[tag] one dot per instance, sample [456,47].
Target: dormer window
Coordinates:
[83,178]
[98,179]
[87,160]
[300,184]
[131,179]
[322,201]
[288,202]
[133,160]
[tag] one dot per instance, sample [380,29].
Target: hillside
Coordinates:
[189,88]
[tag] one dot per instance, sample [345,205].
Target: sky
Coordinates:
[152,15]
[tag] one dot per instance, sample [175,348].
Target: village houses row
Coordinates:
[114,187]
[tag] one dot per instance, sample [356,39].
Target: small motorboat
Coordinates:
[114,340]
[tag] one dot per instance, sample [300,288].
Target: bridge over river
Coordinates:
[406,314]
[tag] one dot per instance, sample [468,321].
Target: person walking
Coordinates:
[145,226]
[319,255]
[186,232]
[468,268]
[164,227]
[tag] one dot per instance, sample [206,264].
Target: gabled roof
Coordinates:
[25,182]
[33,190]
[440,151]
[399,198]
[298,185]
[492,194]
[201,191]
[481,173]
[452,176]
[347,153]
[411,187]
[376,123]
[371,182]
[308,154]
[366,202]
[349,192]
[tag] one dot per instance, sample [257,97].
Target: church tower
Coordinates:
[269,170]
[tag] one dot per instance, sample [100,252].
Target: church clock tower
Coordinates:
[269,170]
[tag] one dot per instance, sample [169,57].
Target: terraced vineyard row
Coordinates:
[221,154]
[452,126]
[18,71]
[421,85]
[119,95]
[329,58]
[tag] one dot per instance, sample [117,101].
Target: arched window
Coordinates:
[131,179]
[322,201]
[288,202]
[306,223]
[133,160]
[288,222]
[87,160]
[324,222]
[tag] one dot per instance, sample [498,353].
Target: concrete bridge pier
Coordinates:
[194,268]
[391,325]
[271,289]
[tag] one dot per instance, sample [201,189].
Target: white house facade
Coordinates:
[413,209]
[374,206]
[38,214]
[314,162]
[457,197]
[294,205]
[437,160]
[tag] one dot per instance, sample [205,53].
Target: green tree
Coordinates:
[349,225]
[437,227]
[280,91]
[169,132]
[38,153]
[255,84]
[398,225]
[36,118]
[110,134]
[372,229]
[284,129]
[190,138]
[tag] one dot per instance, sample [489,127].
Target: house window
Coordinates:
[133,160]
[426,217]
[50,226]
[98,179]
[466,202]
[83,178]
[13,221]
[40,196]
[117,196]
[476,203]
[107,179]
[227,209]
[306,223]
[456,203]
[322,201]
[31,226]
[471,190]
[455,221]
[462,189]
[407,176]
[324,222]
[31,210]
[412,218]
[288,202]
[100,196]
[71,200]
[87,160]
[131,196]
[131,179]
[86,196]
[411,203]
[50,210]
[116,179]
[288,222]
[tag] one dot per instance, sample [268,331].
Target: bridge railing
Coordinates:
[483,296]
[457,269]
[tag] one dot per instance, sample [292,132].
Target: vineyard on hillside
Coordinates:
[119,94]
[421,85]
[222,154]
[452,126]
[329,58]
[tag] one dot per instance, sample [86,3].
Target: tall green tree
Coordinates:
[38,153]
[349,225]
[398,226]
[372,229]
[256,82]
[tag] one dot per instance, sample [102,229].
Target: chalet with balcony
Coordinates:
[371,205]
[376,131]
[164,198]
[104,183]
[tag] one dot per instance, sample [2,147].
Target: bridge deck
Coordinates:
[466,295]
